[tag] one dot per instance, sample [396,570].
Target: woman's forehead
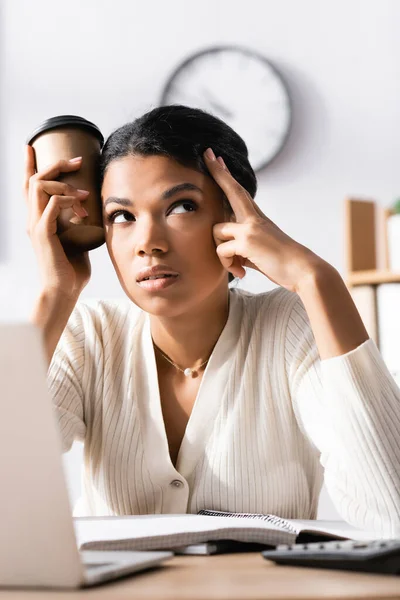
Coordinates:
[151,174]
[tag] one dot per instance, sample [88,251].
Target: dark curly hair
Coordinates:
[182,133]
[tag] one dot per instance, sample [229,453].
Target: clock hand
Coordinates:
[218,107]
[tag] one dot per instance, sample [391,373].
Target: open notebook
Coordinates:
[172,532]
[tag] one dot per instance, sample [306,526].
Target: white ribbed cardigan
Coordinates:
[270,421]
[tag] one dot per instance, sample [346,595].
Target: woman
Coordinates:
[191,394]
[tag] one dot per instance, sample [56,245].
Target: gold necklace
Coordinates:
[187,372]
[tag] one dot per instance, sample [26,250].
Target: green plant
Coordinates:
[395,208]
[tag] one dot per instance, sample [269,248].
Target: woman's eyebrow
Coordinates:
[181,187]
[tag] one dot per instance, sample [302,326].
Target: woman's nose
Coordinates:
[151,237]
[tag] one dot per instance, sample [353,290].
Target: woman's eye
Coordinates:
[185,203]
[111,218]
[188,205]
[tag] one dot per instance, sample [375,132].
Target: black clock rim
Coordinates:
[248,51]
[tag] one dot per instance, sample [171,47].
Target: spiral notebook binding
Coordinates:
[273,519]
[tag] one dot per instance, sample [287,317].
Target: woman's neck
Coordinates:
[188,339]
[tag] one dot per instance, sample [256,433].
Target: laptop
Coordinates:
[38,547]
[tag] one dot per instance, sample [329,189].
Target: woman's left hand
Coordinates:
[254,240]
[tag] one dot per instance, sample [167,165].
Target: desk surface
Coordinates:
[230,577]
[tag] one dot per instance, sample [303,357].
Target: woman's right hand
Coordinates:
[61,274]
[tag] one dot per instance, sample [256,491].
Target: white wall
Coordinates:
[107,61]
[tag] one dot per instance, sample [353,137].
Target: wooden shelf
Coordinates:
[366,241]
[366,233]
[372,277]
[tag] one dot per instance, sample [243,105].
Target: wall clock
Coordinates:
[242,88]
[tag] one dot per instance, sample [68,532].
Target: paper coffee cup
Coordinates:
[65,137]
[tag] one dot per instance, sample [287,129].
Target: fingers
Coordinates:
[61,166]
[40,189]
[229,260]
[50,172]
[53,210]
[240,200]
[40,193]
[29,168]
[222,163]
[46,226]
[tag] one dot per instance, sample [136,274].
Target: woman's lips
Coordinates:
[155,285]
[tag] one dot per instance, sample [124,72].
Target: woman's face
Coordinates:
[157,224]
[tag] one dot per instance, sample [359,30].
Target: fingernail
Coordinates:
[84,211]
[83,192]
[75,159]
[222,162]
[210,154]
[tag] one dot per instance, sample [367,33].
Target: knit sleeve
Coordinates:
[349,407]
[64,380]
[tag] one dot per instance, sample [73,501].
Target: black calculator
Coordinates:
[374,556]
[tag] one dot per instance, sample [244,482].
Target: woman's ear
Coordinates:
[229,215]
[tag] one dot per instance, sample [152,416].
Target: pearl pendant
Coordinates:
[187,372]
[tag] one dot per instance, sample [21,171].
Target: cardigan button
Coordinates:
[177,483]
